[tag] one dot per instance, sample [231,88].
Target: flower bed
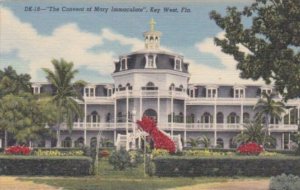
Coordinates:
[18,150]
[250,148]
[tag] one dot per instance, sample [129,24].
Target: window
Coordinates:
[206,118]
[246,117]
[150,86]
[79,142]
[177,65]
[220,117]
[123,64]
[220,143]
[67,142]
[211,93]
[91,91]
[233,118]
[150,61]
[172,86]
[266,91]
[87,93]
[239,93]
[95,117]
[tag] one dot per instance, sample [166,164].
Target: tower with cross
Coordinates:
[152,37]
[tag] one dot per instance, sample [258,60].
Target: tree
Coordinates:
[254,132]
[205,141]
[12,84]
[269,30]
[21,116]
[66,96]
[267,108]
[193,142]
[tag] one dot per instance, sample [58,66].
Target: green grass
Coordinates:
[130,179]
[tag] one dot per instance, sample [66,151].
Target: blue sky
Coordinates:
[93,40]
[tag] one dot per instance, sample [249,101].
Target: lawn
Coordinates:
[131,179]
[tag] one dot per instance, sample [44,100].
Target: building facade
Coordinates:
[155,82]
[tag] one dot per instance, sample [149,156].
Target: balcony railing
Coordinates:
[182,126]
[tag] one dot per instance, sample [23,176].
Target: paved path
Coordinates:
[12,183]
[230,185]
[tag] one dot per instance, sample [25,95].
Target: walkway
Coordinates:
[13,183]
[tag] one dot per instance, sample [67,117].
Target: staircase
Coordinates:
[126,141]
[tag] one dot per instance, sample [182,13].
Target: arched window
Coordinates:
[181,87]
[67,142]
[95,117]
[150,86]
[220,117]
[79,142]
[206,118]
[220,143]
[108,115]
[246,117]
[233,118]
[232,143]
[274,120]
[128,86]
[151,38]
[172,86]
[119,117]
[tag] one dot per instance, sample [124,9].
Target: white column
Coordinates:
[127,110]
[172,116]
[141,104]
[184,122]
[134,129]
[289,116]
[242,116]
[282,141]
[85,111]
[158,108]
[298,119]
[115,121]
[215,124]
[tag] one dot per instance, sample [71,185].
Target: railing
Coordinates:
[181,126]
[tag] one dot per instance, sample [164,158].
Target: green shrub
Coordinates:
[123,159]
[206,152]
[226,166]
[136,158]
[36,165]
[159,152]
[120,159]
[150,166]
[285,182]
[56,152]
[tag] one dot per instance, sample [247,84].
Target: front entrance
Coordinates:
[151,113]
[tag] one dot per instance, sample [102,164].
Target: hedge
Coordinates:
[226,166]
[35,165]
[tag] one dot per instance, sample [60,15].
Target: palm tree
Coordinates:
[66,95]
[205,141]
[267,108]
[193,142]
[254,132]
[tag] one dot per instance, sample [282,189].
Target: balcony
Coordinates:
[151,94]
[230,127]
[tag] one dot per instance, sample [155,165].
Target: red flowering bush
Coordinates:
[161,141]
[250,148]
[104,153]
[18,150]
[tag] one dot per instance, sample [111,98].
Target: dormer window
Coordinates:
[150,61]
[239,93]
[177,65]
[266,91]
[123,64]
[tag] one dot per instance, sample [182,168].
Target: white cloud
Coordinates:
[202,73]
[67,41]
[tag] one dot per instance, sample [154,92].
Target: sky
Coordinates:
[32,34]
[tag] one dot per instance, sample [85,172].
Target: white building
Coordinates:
[154,82]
